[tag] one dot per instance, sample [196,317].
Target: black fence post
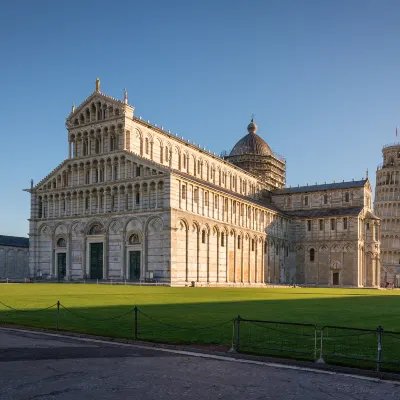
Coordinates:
[58,315]
[379,360]
[238,333]
[135,322]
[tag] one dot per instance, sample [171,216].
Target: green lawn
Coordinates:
[200,315]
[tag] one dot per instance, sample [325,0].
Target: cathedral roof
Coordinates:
[325,186]
[251,143]
[14,241]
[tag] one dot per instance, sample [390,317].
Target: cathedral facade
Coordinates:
[133,201]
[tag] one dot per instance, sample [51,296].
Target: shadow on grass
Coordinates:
[206,323]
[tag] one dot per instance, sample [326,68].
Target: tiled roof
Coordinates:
[326,212]
[325,186]
[14,241]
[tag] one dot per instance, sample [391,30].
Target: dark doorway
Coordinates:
[96,261]
[134,265]
[61,265]
[336,278]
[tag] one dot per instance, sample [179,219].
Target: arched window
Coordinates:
[238,242]
[312,254]
[97,146]
[265,247]
[96,230]
[347,197]
[306,200]
[252,244]
[112,143]
[137,198]
[166,154]
[146,146]
[203,236]
[134,239]
[222,239]
[325,199]
[61,242]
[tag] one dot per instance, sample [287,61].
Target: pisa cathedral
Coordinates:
[133,201]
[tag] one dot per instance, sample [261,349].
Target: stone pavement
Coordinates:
[36,366]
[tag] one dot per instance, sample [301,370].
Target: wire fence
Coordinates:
[365,348]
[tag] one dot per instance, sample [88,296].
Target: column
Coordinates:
[98,203]
[69,149]
[84,259]
[90,202]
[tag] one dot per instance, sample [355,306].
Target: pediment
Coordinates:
[59,173]
[98,106]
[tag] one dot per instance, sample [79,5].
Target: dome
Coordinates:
[251,143]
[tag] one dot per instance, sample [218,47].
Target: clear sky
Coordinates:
[322,78]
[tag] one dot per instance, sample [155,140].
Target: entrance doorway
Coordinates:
[134,265]
[96,260]
[336,278]
[61,265]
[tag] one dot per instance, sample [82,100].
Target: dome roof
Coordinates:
[251,143]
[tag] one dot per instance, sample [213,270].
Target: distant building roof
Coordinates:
[325,212]
[14,241]
[325,186]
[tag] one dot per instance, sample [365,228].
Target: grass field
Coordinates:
[193,315]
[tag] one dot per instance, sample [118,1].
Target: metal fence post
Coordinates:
[321,357]
[238,333]
[58,314]
[234,340]
[378,362]
[135,329]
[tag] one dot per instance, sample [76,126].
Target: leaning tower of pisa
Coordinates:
[387,207]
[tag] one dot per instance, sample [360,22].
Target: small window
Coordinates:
[265,247]
[203,236]
[306,200]
[216,201]
[287,251]
[252,245]
[183,192]
[344,223]
[309,225]
[333,223]
[367,226]
[137,171]
[321,224]
[312,255]
[277,250]
[347,197]
[166,154]
[196,195]
[325,199]
[206,198]
[137,198]
[222,239]
[86,202]
[238,242]
[146,146]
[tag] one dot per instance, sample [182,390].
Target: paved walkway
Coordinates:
[38,366]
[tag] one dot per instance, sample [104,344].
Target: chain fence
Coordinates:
[355,347]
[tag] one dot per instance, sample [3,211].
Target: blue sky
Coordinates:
[322,78]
